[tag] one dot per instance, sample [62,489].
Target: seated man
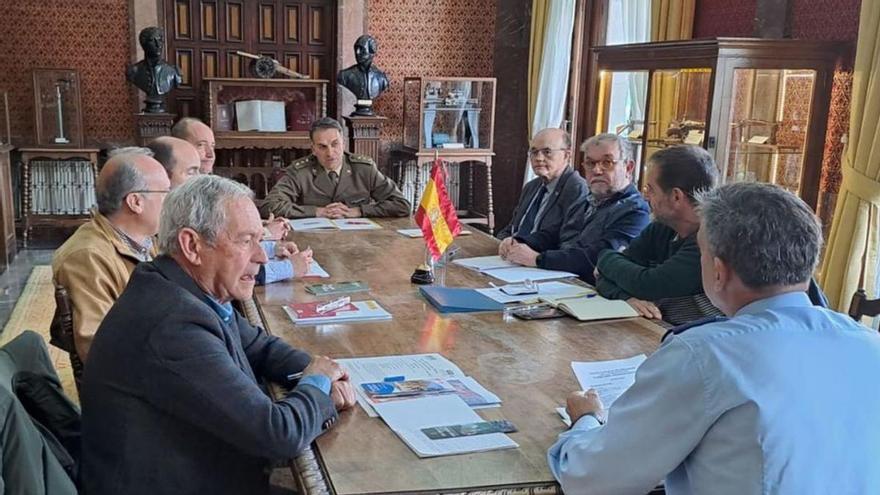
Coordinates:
[616,212]
[171,399]
[198,134]
[748,405]
[286,261]
[333,183]
[95,262]
[180,158]
[551,207]
[659,273]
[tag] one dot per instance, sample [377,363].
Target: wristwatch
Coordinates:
[539,259]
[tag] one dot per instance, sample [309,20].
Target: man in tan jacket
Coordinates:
[95,262]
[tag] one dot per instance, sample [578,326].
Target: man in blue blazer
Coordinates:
[172,398]
[615,214]
[557,197]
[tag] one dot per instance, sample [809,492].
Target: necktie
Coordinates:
[528,222]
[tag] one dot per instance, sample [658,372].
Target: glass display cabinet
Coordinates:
[760,107]
[452,118]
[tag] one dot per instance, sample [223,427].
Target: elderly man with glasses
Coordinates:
[94,264]
[556,198]
[615,212]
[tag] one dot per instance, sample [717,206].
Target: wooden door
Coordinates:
[202,37]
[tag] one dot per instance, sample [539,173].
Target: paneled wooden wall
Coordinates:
[202,37]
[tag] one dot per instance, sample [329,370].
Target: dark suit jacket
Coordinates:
[568,201]
[171,399]
[611,225]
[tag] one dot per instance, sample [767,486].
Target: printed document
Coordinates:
[406,418]
[609,378]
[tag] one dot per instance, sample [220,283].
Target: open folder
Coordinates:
[592,307]
[458,299]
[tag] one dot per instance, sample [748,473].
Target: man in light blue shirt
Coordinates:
[780,398]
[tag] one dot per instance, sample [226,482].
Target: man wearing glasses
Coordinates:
[615,212]
[556,198]
[94,264]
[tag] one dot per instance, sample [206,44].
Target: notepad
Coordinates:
[592,308]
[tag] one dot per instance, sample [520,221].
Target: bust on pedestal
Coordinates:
[156,78]
[364,79]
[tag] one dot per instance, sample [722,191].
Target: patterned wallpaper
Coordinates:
[428,38]
[724,18]
[91,36]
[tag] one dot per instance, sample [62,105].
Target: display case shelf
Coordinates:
[759,106]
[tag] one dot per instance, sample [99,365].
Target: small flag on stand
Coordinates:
[436,214]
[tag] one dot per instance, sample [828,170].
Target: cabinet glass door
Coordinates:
[769,116]
[679,107]
[622,98]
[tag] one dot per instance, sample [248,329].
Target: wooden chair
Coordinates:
[61,332]
[862,306]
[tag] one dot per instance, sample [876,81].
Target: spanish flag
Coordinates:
[436,214]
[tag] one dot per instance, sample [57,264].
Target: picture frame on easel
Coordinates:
[57,108]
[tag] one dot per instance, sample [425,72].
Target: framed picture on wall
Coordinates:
[57,108]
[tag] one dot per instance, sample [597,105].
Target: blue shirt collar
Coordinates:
[788,299]
[223,310]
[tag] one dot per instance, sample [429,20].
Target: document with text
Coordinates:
[610,378]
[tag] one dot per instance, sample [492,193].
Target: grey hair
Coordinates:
[130,150]
[623,145]
[111,189]
[767,235]
[198,204]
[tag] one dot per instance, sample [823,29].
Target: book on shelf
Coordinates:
[260,115]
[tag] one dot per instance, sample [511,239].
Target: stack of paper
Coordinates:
[321,223]
[317,271]
[307,313]
[415,367]
[509,272]
[545,290]
[407,418]
[609,378]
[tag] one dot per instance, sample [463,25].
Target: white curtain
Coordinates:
[636,17]
[555,62]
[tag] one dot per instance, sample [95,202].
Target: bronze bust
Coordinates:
[364,79]
[153,75]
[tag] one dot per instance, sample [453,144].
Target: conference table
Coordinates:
[526,363]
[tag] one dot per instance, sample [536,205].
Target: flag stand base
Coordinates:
[423,275]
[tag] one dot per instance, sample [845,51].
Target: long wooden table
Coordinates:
[526,363]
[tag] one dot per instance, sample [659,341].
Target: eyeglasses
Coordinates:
[605,163]
[545,152]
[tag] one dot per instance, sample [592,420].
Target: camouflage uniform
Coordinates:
[306,186]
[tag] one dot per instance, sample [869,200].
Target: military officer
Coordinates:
[333,183]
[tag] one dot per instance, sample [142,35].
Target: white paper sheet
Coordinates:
[317,223]
[407,417]
[356,224]
[484,263]
[317,271]
[409,366]
[609,378]
[417,233]
[523,273]
[545,289]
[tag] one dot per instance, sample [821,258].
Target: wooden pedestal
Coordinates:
[365,135]
[152,125]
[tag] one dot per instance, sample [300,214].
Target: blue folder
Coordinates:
[458,300]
